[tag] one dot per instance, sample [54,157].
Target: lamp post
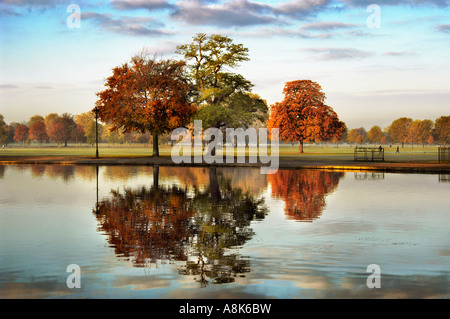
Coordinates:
[96,110]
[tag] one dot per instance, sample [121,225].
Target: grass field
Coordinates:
[408,154]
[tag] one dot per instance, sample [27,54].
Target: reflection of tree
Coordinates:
[37,170]
[303,191]
[223,216]
[147,225]
[198,226]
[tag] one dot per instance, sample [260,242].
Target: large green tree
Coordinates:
[210,60]
[224,97]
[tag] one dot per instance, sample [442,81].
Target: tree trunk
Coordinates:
[156,176]
[155,145]
[300,147]
[214,184]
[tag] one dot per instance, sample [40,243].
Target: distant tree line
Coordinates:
[63,129]
[403,130]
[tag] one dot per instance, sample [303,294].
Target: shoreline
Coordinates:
[284,163]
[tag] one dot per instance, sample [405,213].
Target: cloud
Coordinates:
[8,12]
[233,13]
[137,26]
[150,5]
[45,87]
[8,86]
[327,26]
[301,8]
[443,28]
[365,3]
[31,3]
[338,53]
[265,32]
[240,13]
[162,48]
[399,53]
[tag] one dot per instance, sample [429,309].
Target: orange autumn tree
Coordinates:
[303,116]
[146,95]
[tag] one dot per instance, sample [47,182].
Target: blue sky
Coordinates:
[371,75]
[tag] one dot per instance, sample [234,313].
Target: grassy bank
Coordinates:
[330,153]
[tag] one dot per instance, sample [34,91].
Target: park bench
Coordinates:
[369,154]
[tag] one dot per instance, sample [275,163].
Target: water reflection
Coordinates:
[196,224]
[304,191]
[370,176]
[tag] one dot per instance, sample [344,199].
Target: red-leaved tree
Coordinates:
[38,132]
[303,116]
[21,133]
[146,95]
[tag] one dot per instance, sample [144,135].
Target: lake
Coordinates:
[206,232]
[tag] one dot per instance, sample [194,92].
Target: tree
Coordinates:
[344,135]
[38,131]
[21,133]
[3,131]
[210,59]
[146,95]
[57,132]
[352,136]
[85,121]
[303,116]
[60,129]
[90,132]
[375,134]
[442,129]
[34,119]
[240,110]
[420,131]
[224,98]
[399,130]
[79,134]
[112,136]
[430,140]
[12,131]
[49,120]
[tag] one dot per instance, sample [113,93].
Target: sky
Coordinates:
[376,60]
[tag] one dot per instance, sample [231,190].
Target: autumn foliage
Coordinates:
[147,224]
[303,191]
[21,133]
[303,116]
[146,95]
[38,132]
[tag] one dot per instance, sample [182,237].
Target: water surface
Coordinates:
[184,232]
